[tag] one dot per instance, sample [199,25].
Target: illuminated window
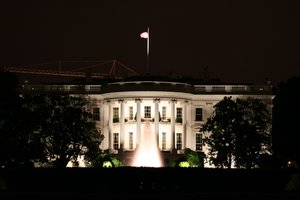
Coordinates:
[198,141]
[147,110]
[116,141]
[96,114]
[199,114]
[179,115]
[115,114]
[164,113]
[163,141]
[130,140]
[178,140]
[130,113]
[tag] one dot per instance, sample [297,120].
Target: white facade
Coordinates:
[173,111]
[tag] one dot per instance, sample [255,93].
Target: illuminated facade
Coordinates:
[172,111]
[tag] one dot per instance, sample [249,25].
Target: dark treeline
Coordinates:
[286,120]
[44,130]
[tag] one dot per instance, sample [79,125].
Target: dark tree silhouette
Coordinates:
[67,130]
[10,105]
[18,146]
[286,118]
[253,137]
[239,133]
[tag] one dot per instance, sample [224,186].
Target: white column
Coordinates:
[122,134]
[138,121]
[184,121]
[104,119]
[156,119]
[189,128]
[172,123]
[110,124]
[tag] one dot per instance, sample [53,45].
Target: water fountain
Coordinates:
[147,154]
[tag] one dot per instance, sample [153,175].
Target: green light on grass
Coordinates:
[184,164]
[107,164]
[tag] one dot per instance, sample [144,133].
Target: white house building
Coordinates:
[161,114]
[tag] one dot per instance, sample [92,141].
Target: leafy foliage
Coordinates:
[239,133]
[66,129]
[102,158]
[190,158]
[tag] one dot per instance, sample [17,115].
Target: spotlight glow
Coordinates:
[147,154]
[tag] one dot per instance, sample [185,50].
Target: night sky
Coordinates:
[237,41]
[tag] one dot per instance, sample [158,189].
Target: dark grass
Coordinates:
[151,182]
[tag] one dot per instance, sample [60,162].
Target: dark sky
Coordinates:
[238,41]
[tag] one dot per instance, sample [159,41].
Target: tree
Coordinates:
[17,144]
[253,137]
[286,135]
[221,141]
[239,133]
[9,107]
[43,128]
[66,129]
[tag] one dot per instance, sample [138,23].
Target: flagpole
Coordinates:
[148,43]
